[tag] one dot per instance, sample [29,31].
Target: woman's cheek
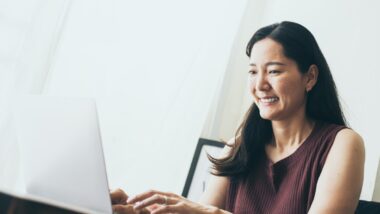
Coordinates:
[252,86]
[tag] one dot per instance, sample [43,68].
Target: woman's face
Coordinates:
[277,85]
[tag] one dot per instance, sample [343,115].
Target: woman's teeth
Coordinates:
[269,100]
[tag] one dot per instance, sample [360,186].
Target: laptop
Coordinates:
[61,156]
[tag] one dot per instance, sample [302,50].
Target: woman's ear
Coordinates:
[311,77]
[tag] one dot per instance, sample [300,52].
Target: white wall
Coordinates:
[348,34]
[153,67]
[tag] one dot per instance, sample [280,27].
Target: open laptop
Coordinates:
[61,157]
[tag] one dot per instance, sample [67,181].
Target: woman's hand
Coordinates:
[118,196]
[120,206]
[169,203]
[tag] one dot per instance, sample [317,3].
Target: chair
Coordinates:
[368,207]
[199,170]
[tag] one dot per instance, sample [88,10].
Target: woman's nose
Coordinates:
[262,83]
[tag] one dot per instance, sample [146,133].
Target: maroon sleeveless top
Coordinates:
[287,186]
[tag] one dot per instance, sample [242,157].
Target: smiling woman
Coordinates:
[293,153]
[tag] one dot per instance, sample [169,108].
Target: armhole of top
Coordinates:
[231,195]
[332,137]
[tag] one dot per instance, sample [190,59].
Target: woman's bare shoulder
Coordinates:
[348,139]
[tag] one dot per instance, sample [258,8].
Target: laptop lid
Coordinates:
[61,152]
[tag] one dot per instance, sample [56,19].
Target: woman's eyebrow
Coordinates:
[269,63]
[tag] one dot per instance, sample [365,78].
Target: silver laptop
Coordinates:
[61,154]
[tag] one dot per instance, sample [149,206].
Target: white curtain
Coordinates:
[29,30]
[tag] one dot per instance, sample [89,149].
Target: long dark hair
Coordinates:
[322,101]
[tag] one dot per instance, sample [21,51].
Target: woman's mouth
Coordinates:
[268,100]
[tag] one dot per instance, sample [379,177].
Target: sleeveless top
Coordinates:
[287,186]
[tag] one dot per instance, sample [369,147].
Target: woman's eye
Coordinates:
[274,71]
[252,72]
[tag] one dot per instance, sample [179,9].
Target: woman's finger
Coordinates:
[128,209]
[123,209]
[167,209]
[148,194]
[155,199]
[153,207]
[118,196]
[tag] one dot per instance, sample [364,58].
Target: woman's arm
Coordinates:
[216,191]
[339,185]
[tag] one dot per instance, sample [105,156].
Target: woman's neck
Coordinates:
[291,132]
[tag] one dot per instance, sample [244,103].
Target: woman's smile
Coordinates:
[268,101]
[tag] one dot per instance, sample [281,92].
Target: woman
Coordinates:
[293,153]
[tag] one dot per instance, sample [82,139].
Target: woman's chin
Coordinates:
[268,116]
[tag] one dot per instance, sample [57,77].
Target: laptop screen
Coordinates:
[61,152]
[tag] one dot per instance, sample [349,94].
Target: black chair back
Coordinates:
[368,207]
